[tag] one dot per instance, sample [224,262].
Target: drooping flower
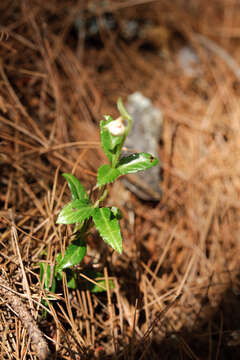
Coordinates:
[116,127]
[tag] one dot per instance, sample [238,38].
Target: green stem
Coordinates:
[127,117]
[118,152]
[124,114]
[102,197]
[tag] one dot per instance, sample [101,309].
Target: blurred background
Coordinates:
[63,65]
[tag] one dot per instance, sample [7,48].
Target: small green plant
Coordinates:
[86,211]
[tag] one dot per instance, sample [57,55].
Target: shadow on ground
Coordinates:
[215,337]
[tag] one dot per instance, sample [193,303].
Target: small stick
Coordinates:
[18,307]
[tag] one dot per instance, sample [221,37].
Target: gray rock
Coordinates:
[144,137]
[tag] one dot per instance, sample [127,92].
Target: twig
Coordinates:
[39,343]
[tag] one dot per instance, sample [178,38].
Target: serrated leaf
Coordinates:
[74,212]
[76,188]
[108,227]
[106,174]
[135,163]
[109,142]
[74,254]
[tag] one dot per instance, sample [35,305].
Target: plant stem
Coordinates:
[128,118]
[101,197]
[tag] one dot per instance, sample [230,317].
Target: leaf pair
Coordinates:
[127,165]
[81,209]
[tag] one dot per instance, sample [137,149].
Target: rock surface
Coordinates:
[144,137]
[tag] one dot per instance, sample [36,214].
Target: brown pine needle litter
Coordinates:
[63,66]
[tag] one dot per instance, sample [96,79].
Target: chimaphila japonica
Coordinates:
[87,211]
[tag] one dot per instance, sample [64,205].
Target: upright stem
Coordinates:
[128,118]
[102,197]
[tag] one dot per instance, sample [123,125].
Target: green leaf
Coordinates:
[106,175]
[77,190]
[135,163]
[48,276]
[108,227]
[109,142]
[71,278]
[95,288]
[101,286]
[74,281]
[74,254]
[49,283]
[74,212]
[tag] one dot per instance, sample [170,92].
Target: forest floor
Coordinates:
[63,66]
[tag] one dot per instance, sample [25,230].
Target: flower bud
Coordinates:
[116,127]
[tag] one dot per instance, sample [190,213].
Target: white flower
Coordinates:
[116,127]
